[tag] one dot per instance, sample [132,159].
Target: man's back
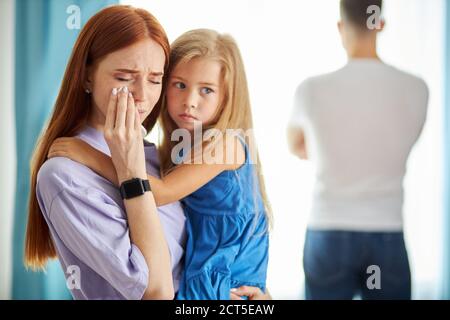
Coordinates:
[360,124]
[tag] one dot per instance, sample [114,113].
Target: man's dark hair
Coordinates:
[355,11]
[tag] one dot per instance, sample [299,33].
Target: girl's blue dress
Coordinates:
[228,242]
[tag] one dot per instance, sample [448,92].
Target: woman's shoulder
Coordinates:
[53,177]
[56,170]
[59,173]
[71,182]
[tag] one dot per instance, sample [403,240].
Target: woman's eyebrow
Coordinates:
[153,73]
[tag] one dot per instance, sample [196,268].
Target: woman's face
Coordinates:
[139,67]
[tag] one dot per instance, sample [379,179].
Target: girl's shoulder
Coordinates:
[235,152]
[232,186]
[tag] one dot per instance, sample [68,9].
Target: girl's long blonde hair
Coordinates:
[234,111]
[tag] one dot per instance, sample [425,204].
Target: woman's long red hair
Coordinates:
[111,29]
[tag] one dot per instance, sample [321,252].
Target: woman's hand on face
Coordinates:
[70,147]
[124,137]
[253,293]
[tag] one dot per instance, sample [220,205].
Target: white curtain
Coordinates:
[414,41]
[7,143]
[282,43]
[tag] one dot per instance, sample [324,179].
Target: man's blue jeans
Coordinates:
[342,264]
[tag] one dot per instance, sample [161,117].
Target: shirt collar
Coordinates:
[96,139]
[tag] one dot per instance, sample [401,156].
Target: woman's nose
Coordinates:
[138,92]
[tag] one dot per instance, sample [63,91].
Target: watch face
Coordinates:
[133,188]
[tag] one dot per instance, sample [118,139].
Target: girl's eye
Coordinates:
[207,90]
[180,85]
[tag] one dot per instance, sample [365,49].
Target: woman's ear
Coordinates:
[88,83]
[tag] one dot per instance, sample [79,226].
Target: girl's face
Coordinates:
[139,67]
[194,92]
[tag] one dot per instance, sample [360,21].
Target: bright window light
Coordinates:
[284,42]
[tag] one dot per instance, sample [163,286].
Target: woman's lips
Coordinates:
[142,114]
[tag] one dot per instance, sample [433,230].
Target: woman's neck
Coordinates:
[96,120]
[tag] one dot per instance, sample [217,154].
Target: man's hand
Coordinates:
[296,142]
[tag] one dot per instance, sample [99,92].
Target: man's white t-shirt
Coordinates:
[360,124]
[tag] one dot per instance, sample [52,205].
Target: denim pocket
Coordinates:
[325,256]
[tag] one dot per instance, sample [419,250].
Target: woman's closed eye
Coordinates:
[123,79]
[154,81]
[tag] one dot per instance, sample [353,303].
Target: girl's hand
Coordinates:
[72,148]
[124,137]
[253,293]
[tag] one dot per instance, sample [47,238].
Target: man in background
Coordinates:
[358,124]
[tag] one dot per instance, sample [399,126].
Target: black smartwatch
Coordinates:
[134,188]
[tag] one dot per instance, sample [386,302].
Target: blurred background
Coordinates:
[282,43]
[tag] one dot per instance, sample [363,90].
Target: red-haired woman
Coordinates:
[111,238]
